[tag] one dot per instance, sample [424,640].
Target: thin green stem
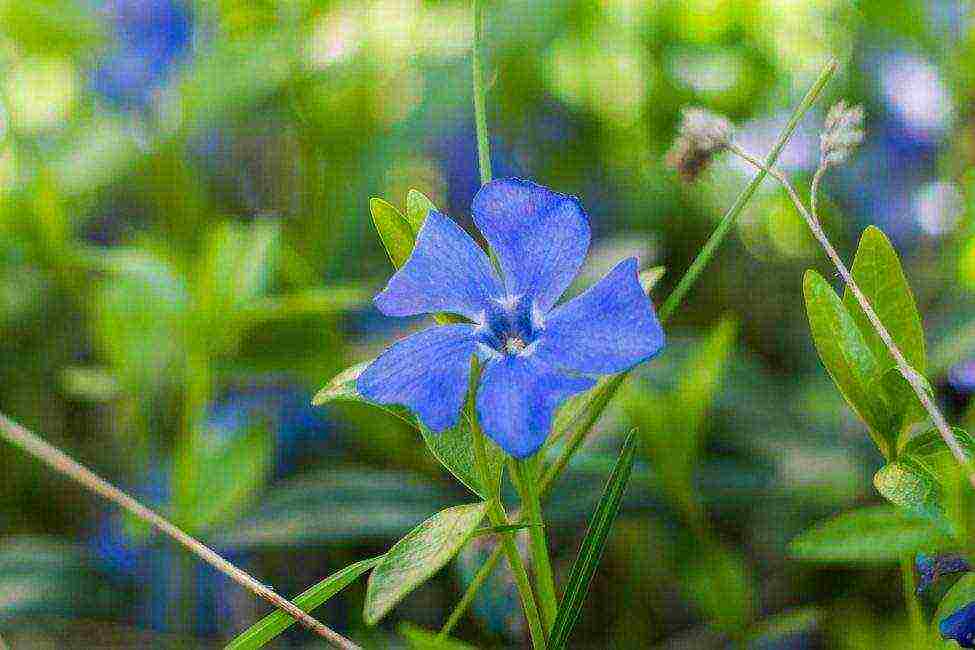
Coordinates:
[465,601]
[525,475]
[676,298]
[914,612]
[480,112]
[721,231]
[499,518]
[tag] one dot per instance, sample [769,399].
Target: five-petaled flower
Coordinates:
[534,354]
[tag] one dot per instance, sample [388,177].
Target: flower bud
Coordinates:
[702,136]
[842,132]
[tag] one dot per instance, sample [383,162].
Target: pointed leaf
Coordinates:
[418,556]
[593,545]
[394,231]
[877,271]
[847,357]
[420,639]
[872,534]
[453,447]
[418,206]
[961,594]
[269,627]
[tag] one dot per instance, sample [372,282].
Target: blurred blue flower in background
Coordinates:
[151,37]
[534,356]
[960,626]
[930,568]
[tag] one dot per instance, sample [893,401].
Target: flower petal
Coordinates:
[517,398]
[609,328]
[541,237]
[447,272]
[427,372]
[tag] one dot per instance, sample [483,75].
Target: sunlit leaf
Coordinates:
[593,545]
[269,627]
[871,534]
[847,357]
[418,556]
[394,230]
[877,271]
[908,483]
[418,206]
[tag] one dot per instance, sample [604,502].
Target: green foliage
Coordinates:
[418,206]
[418,556]
[453,447]
[593,545]
[420,639]
[854,355]
[269,627]
[718,580]
[394,230]
[871,534]
[962,593]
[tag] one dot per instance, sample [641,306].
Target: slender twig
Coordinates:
[64,464]
[912,376]
[673,302]
[480,111]
[471,592]
[524,474]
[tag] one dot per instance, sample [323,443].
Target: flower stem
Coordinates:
[675,299]
[525,476]
[499,518]
[480,112]
[465,601]
[914,613]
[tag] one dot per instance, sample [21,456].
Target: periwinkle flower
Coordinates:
[534,354]
[960,626]
[931,568]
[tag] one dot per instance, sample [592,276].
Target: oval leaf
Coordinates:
[277,622]
[417,557]
[394,231]
[877,271]
[418,206]
[847,357]
[872,534]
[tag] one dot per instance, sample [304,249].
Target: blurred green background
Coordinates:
[186,254]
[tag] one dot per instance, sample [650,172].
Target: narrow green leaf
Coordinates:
[453,447]
[904,409]
[847,357]
[394,230]
[418,206]
[877,270]
[418,556]
[277,622]
[962,593]
[872,534]
[930,443]
[593,544]
[420,639]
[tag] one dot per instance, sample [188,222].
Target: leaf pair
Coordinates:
[854,354]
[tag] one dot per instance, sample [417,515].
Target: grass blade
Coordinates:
[265,630]
[593,545]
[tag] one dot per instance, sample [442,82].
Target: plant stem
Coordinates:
[905,368]
[482,574]
[499,518]
[675,299]
[914,613]
[64,464]
[480,112]
[525,474]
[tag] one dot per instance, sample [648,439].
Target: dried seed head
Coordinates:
[842,132]
[702,136]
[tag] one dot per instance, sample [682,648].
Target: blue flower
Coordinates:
[960,626]
[534,354]
[930,569]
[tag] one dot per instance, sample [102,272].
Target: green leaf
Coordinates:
[420,639]
[418,556]
[650,277]
[315,596]
[872,534]
[962,593]
[418,206]
[908,483]
[593,544]
[904,408]
[877,271]
[930,444]
[847,357]
[719,582]
[394,230]
[509,528]
[453,447]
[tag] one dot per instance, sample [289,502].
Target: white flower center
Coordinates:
[514,345]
